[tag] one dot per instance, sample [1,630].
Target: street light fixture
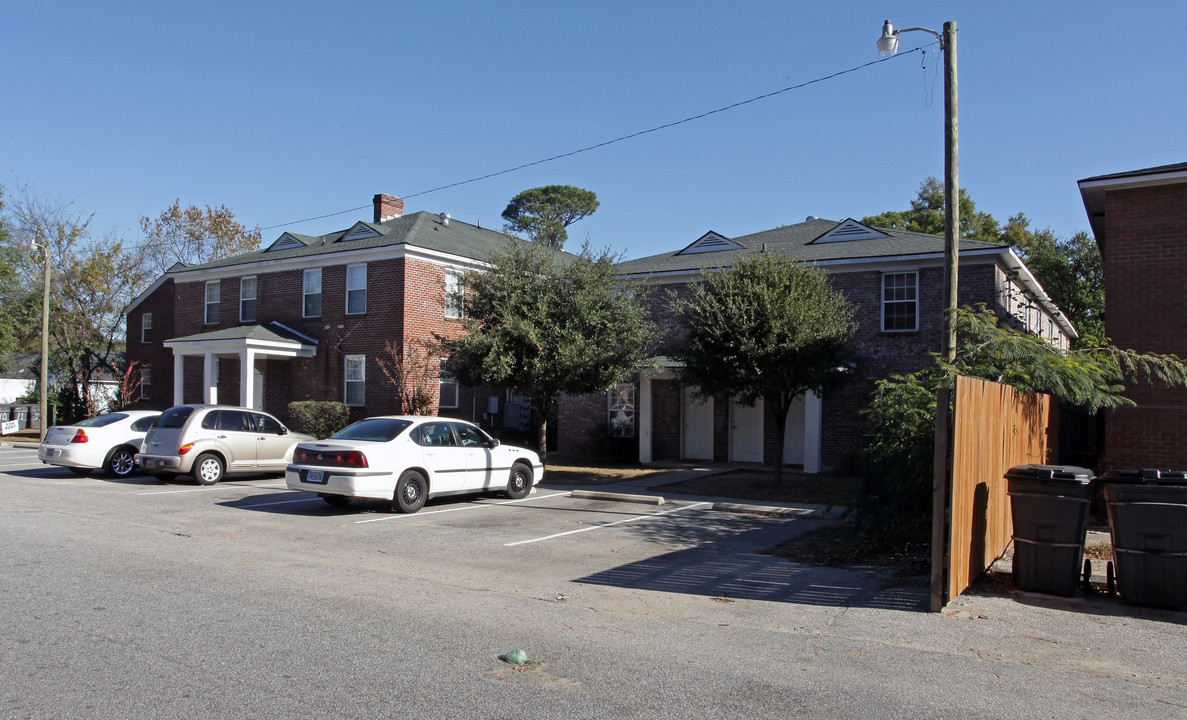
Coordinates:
[941,468]
[888,45]
[34,245]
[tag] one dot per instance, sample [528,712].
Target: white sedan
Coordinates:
[109,441]
[410,459]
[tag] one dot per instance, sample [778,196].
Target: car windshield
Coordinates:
[175,417]
[373,430]
[101,420]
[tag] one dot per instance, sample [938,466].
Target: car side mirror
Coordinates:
[284,430]
[494,442]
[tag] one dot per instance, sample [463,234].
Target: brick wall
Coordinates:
[161,305]
[1145,285]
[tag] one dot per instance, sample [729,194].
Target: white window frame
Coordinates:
[146,328]
[356,288]
[354,373]
[244,297]
[213,304]
[446,386]
[899,297]
[621,401]
[455,293]
[145,383]
[306,293]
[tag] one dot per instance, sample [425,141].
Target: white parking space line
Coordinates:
[192,490]
[278,502]
[606,525]
[458,509]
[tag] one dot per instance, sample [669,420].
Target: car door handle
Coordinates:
[221,437]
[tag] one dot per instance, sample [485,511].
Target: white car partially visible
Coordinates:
[109,442]
[409,459]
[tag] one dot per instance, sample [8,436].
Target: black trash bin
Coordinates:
[1049,506]
[1148,523]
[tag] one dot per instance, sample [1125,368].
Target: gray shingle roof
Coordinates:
[272,331]
[796,241]
[419,229]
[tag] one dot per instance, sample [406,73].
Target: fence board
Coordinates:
[994,428]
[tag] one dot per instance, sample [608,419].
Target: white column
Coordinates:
[247,386]
[210,379]
[644,418]
[813,407]
[178,380]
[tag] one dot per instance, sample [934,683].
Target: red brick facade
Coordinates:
[1144,243]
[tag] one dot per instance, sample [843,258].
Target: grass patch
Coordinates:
[759,485]
[584,471]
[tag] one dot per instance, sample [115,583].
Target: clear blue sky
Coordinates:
[288,110]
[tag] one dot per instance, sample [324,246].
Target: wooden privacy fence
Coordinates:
[994,428]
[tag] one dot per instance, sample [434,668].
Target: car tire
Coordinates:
[79,471]
[121,462]
[208,469]
[520,482]
[335,500]
[411,492]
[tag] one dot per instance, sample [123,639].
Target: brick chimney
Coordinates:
[387,207]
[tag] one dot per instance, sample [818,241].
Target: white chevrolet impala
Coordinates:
[409,459]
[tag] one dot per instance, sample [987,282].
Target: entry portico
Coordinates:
[247,343]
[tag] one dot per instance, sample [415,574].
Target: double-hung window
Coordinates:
[213,297]
[447,385]
[146,328]
[900,302]
[311,294]
[355,380]
[455,293]
[356,289]
[145,383]
[621,411]
[247,299]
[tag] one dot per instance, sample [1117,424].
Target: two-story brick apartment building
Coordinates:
[894,278]
[1139,219]
[308,317]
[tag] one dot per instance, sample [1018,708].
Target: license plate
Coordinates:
[53,453]
[147,464]
[316,476]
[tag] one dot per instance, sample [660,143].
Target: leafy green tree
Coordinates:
[12,315]
[768,329]
[927,215]
[542,323]
[544,213]
[93,278]
[903,408]
[193,235]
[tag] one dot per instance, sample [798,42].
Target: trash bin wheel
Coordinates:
[1110,578]
[1087,575]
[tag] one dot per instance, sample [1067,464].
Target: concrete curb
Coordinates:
[617,497]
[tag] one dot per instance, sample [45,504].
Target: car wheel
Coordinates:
[121,462]
[335,500]
[208,469]
[520,482]
[80,471]
[411,492]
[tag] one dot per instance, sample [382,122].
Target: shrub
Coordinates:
[318,418]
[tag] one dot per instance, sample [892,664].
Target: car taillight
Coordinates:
[354,458]
[185,448]
[80,436]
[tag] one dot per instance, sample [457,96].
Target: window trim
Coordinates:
[255,283]
[146,328]
[145,383]
[630,410]
[305,294]
[347,380]
[349,289]
[455,298]
[444,378]
[216,303]
[914,301]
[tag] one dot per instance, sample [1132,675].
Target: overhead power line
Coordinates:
[631,136]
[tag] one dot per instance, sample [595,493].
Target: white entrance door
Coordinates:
[793,436]
[746,432]
[696,441]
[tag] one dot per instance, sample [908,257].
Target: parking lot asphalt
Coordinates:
[249,598]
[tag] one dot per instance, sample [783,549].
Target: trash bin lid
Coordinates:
[1064,473]
[1147,476]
